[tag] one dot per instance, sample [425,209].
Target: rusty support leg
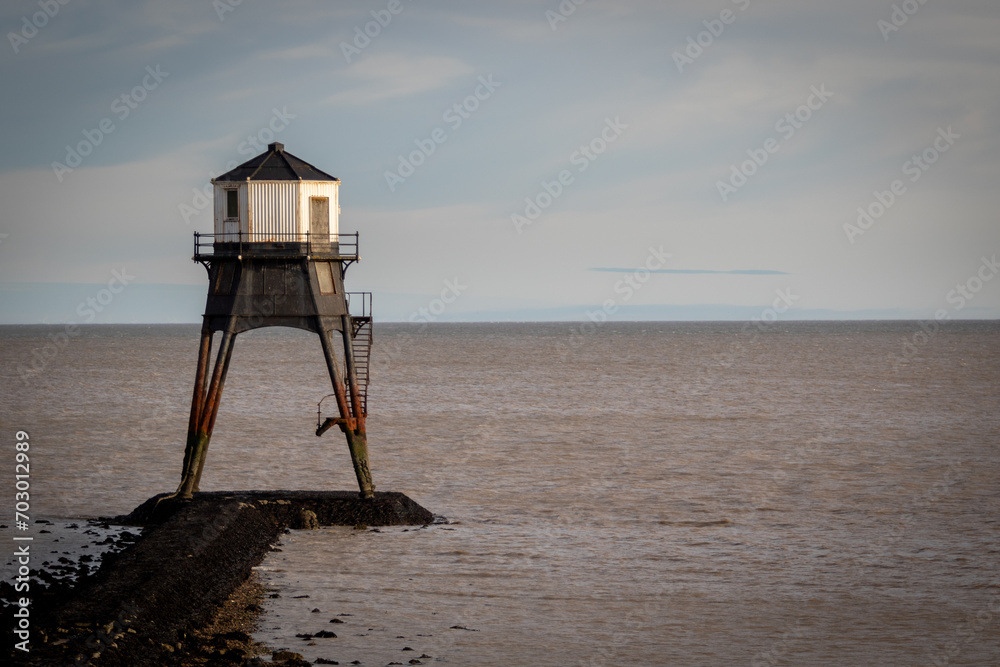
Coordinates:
[198,400]
[199,437]
[359,442]
[356,441]
[209,419]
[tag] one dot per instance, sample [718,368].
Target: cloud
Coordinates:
[388,76]
[301,52]
[736,272]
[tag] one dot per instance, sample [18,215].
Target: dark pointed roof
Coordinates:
[276,165]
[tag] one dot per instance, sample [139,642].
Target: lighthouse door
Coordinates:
[231,222]
[319,219]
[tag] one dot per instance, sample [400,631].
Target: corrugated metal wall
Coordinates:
[327,189]
[274,210]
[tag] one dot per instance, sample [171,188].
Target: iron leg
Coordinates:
[199,437]
[357,442]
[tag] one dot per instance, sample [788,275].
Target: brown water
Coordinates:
[647,493]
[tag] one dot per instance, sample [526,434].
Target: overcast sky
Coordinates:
[738,137]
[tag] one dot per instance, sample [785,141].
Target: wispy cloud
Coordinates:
[301,52]
[389,76]
[735,272]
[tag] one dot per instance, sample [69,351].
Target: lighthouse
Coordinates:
[276,257]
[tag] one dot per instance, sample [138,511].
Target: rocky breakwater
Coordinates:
[150,603]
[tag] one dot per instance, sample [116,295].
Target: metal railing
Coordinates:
[207,246]
[363,299]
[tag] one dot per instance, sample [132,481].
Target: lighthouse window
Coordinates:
[232,204]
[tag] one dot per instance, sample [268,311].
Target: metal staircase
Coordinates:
[361,339]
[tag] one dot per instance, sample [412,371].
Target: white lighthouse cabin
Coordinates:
[276,198]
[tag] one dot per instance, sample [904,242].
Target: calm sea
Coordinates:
[628,494]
